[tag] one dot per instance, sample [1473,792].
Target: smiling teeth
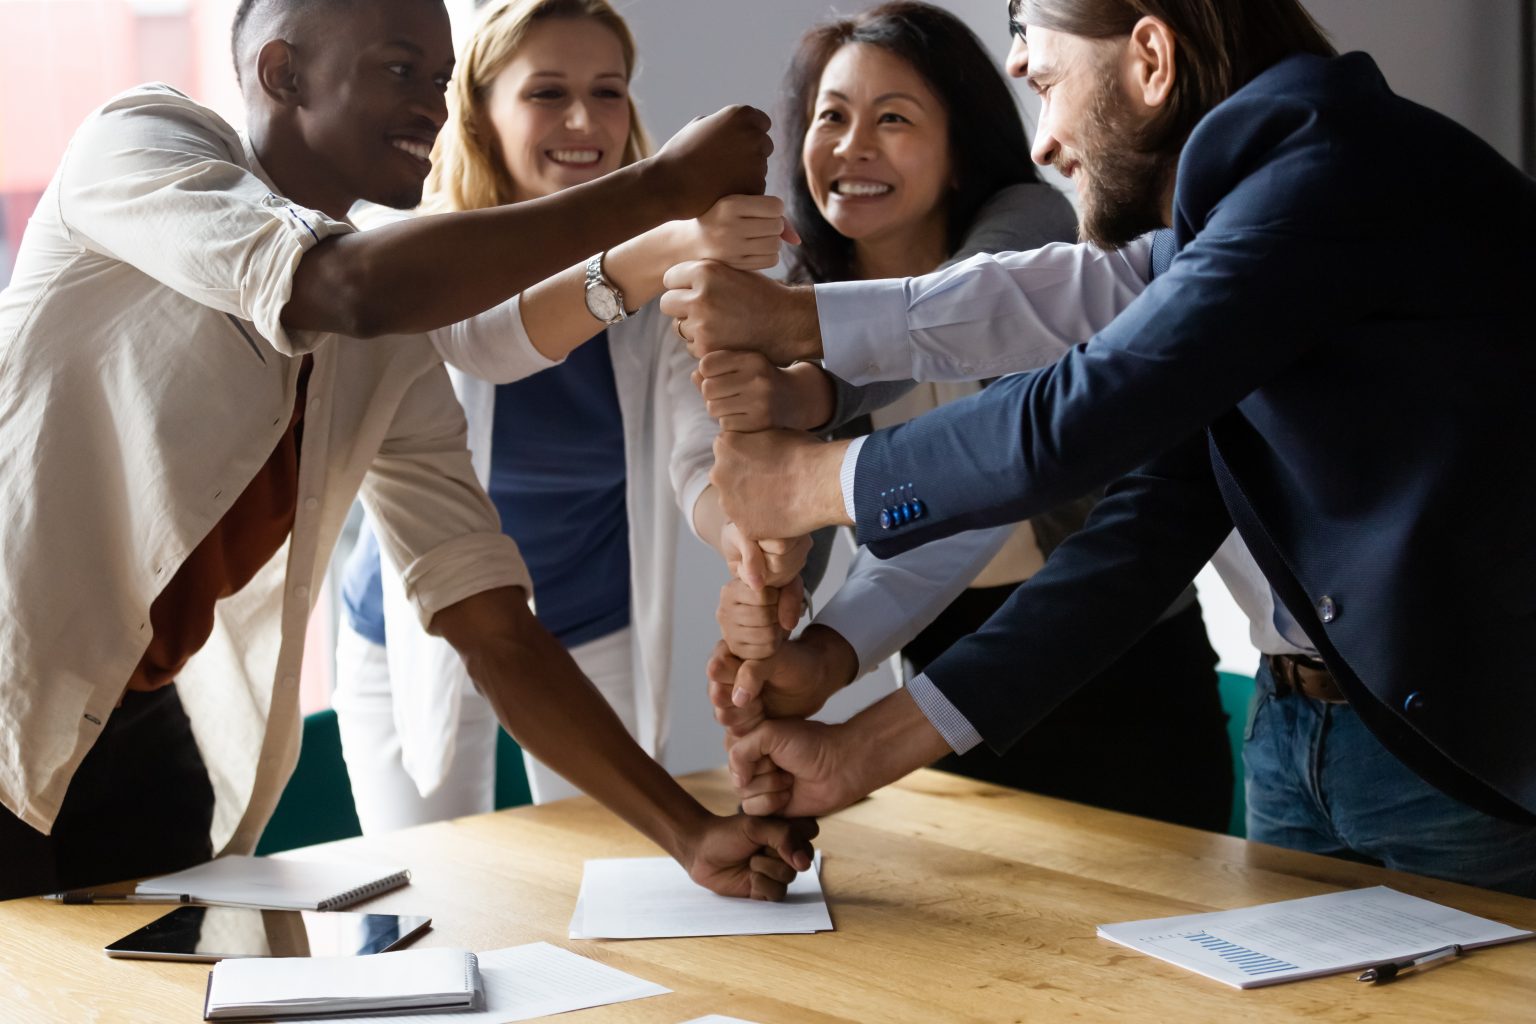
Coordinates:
[861,188]
[419,150]
[575,156]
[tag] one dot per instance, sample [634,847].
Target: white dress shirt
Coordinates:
[988,316]
[145,376]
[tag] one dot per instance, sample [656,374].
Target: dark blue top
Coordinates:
[557,480]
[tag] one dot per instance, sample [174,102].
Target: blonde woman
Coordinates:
[583,423]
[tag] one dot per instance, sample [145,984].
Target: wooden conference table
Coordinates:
[954,901]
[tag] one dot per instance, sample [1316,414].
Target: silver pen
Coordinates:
[88,896]
[1397,968]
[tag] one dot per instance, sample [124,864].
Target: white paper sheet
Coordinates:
[536,980]
[653,898]
[715,1018]
[1306,938]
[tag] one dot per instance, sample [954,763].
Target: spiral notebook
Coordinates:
[276,884]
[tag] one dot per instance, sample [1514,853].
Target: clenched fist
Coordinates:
[723,154]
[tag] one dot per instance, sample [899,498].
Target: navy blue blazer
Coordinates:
[1339,362]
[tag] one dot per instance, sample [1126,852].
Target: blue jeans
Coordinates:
[1319,781]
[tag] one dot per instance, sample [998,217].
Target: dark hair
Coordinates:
[278,7]
[1222,46]
[988,147]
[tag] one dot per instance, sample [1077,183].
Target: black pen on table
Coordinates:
[1397,968]
[86,896]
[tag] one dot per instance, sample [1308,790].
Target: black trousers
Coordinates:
[1146,736]
[140,804]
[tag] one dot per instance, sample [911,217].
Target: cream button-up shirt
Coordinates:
[145,377]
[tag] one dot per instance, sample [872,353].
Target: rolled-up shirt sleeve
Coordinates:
[159,182]
[432,516]
[987,316]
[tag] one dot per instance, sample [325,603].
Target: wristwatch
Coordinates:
[604,300]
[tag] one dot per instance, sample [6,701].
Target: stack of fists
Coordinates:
[767,401]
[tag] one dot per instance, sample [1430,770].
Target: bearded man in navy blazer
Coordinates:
[1338,361]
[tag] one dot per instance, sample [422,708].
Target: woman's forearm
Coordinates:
[554,310]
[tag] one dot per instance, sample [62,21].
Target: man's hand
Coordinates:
[720,308]
[723,154]
[750,857]
[779,483]
[745,391]
[790,766]
[794,682]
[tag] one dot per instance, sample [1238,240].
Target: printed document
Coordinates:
[1306,938]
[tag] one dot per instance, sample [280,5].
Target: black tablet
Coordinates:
[217,933]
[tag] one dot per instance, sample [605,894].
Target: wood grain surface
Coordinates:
[954,901]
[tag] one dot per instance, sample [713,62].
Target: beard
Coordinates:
[1120,186]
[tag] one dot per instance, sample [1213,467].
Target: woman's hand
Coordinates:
[763,563]
[740,231]
[754,623]
[744,391]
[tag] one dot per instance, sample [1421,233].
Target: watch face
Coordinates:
[602,303]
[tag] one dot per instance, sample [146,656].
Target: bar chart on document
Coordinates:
[1220,953]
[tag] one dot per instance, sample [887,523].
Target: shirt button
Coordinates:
[1327,609]
[1414,702]
[311,503]
[290,681]
[301,591]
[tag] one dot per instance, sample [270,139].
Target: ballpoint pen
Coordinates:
[1397,968]
[84,896]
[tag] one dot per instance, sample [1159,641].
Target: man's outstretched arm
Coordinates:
[426,273]
[557,715]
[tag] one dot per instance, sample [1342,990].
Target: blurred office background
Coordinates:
[59,59]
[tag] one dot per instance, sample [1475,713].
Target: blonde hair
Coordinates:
[467,169]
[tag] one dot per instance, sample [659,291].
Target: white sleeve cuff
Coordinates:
[957,731]
[864,332]
[850,467]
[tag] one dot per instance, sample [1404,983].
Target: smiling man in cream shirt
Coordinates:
[201,364]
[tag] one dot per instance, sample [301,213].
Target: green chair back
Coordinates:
[1236,691]
[511,774]
[316,806]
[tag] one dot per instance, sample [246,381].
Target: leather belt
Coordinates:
[1307,676]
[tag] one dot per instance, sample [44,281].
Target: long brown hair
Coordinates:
[987,145]
[467,169]
[1222,46]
